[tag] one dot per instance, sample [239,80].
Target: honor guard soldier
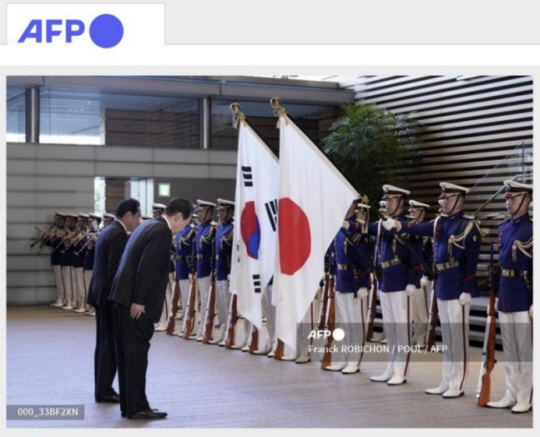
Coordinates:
[67,260]
[457,240]
[515,304]
[52,241]
[398,260]
[90,250]
[185,263]
[79,255]
[205,244]
[223,253]
[158,209]
[417,213]
[353,254]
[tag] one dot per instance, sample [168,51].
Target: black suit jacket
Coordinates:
[109,248]
[144,268]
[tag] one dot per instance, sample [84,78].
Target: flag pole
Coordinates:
[279,110]
[238,115]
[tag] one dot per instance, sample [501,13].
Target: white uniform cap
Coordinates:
[391,191]
[449,190]
[223,202]
[72,215]
[145,217]
[158,207]
[414,205]
[60,214]
[83,215]
[106,215]
[514,188]
[205,204]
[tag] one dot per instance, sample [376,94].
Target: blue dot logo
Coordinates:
[106,31]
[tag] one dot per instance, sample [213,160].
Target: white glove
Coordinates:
[345,224]
[389,224]
[465,298]
[424,282]
[190,276]
[363,292]
[228,277]
[410,289]
[531,311]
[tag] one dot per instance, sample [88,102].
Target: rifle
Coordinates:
[489,354]
[43,234]
[432,321]
[254,345]
[209,315]
[231,323]
[330,321]
[171,322]
[189,312]
[324,301]
[280,350]
[372,310]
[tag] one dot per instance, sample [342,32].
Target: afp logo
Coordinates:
[105,31]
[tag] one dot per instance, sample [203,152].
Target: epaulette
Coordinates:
[469,217]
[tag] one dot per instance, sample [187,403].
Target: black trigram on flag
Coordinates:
[271,211]
[248,176]
[257,283]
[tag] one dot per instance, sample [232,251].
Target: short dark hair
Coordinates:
[127,205]
[178,204]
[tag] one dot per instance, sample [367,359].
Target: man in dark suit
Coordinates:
[109,248]
[138,291]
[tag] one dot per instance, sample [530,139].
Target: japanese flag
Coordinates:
[314,198]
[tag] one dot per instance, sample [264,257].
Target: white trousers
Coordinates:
[78,281]
[353,320]
[184,294]
[66,279]
[204,285]
[60,297]
[270,314]
[168,299]
[421,313]
[87,279]
[223,300]
[516,333]
[397,316]
[454,319]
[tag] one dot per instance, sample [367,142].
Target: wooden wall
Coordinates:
[479,132]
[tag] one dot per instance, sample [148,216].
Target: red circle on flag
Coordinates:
[250,229]
[294,236]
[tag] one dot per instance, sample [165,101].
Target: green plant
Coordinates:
[370,144]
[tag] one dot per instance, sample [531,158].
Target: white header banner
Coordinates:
[73,31]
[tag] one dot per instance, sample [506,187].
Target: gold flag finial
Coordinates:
[279,110]
[238,115]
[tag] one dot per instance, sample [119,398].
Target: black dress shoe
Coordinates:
[115,398]
[148,415]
